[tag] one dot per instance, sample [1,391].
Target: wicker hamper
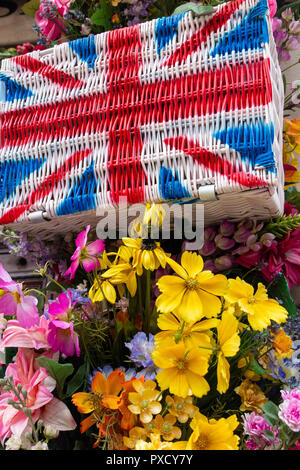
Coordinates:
[183,108]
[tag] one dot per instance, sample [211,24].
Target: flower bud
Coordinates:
[223,262]
[50,432]
[287,14]
[209,233]
[224,243]
[242,234]
[227,228]
[208,248]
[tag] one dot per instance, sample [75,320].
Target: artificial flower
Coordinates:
[191,293]
[40,400]
[192,334]
[164,426]
[147,254]
[145,401]
[229,343]
[282,344]
[182,408]
[213,434]
[84,254]
[251,395]
[182,371]
[13,301]
[260,310]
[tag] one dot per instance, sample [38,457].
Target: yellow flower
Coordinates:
[229,343]
[192,334]
[145,401]
[192,294]
[252,396]
[293,130]
[182,408]
[102,289]
[135,434]
[156,444]
[282,344]
[147,254]
[182,370]
[152,219]
[244,363]
[259,308]
[165,427]
[213,434]
[122,274]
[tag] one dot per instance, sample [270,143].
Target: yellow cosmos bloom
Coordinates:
[192,293]
[192,334]
[122,274]
[182,370]
[259,309]
[147,254]
[229,343]
[213,434]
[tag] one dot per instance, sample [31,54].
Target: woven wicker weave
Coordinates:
[181,108]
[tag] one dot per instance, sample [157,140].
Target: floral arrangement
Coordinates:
[138,344]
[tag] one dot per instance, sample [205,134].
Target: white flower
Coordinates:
[40,446]
[50,431]
[13,443]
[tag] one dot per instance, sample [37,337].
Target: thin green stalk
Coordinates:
[147,310]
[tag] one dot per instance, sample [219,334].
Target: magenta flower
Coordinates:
[224,243]
[40,400]
[85,254]
[62,336]
[48,20]
[289,409]
[15,302]
[227,228]
[208,248]
[254,426]
[272,4]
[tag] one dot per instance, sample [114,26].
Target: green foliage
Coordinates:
[77,380]
[102,16]
[194,7]
[30,8]
[270,412]
[280,226]
[280,291]
[60,372]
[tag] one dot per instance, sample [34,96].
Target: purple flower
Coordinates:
[287,15]
[141,349]
[294,27]
[223,262]
[224,243]
[292,43]
[227,228]
[242,234]
[208,248]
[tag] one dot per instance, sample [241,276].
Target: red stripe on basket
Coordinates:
[212,26]
[214,162]
[46,187]
[47,71]
[131,104]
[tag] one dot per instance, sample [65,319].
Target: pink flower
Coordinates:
[272,7]
[40,400]
[227,228]
[289,409]
[35,337]
[62,336]
[85,254]
[254,426]
[15,302]
[224,243]
[223,262]
[49,22]
[208,248]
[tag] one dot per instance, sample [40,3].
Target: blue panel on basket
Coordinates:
[82,194]
[251,33]
[13,172]
[252,141]
[13,89]
[85,48]
[166,29]
[170,185]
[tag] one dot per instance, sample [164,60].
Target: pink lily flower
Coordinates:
[62,336]
[15,302]
[40,400]
[35,337]
[85,254]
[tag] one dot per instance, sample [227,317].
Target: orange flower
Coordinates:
[282,344]
[252,396]
[165,427]
[122,402]
[93,402]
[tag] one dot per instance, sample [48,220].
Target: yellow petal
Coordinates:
[223,374]
[109,291]
[198,384]
[168,321]
[84,402]
[192,263]
[217,285]
[177,268]
[238,289]
[210,303]
[191,307]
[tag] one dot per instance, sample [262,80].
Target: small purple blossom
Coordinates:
[141,348]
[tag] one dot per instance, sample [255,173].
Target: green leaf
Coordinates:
[280,291]
[9,354]
[77,380]
[194,7]
[30,8]
[269,434]
[58,371]
[257,369]
[270,412]
[102,16]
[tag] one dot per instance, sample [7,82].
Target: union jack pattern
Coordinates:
[152,112]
